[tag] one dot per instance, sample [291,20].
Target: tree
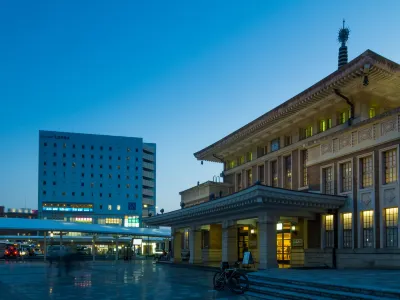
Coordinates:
[162,211]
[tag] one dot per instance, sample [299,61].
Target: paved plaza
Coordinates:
[107,280]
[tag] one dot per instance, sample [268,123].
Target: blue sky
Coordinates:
[182,74]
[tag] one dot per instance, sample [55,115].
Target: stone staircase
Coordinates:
[278,288]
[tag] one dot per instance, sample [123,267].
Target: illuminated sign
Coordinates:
[68,207]
[136,241]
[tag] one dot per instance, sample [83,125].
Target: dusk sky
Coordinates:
[182,74]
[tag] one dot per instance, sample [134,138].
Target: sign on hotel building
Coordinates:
[314,182]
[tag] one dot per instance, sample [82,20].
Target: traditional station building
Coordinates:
[313,182]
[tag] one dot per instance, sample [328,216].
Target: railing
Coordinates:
[148,174]
[148,183]
[148,192]
[148,156]
[149,166]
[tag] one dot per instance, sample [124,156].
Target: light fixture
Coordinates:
[51,234]
[279,226]
[252,231]
[293,228]
[145,206]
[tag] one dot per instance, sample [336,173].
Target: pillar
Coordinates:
[267,242]
[44,246]
[195,246]
[229,242]
[60,244]
[116,249]
[176,246]
[94,247]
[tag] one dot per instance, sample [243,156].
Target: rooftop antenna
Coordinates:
[343,37]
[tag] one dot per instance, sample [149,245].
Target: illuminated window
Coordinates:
[346,177]
[288,172]
[329,123]
[327,180]
[391,220]
[109,176]
[232,164]
[118,207]
[131,221]
[128,186]
[366,172]
[128,149]
[128,158]
[309,131]
[343,117]
[368,230]
[241,160]
[347,231]
[274,174]
[329,238]
[372,112]
[113,221]
[322,126]
[92,185]
[390,166]
[109,207]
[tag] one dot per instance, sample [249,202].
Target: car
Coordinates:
[11,251]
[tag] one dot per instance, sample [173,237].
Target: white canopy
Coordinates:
[16,224]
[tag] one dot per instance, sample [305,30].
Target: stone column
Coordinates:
[267,242]
[229,242]
[176,246]
[44,246]
[195,246]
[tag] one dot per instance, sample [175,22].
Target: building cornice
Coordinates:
[318,91]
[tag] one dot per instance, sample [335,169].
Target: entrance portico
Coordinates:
[259,206]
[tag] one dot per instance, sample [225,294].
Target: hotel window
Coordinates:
[274,174]
[128,186]
[44,163]
[390,166]
[241,160]
[91,147]
[372,112]
[249,156]
[391,220]
[73,155]
[275,145]
[345,177]
[54,183]
[249,177]
[131,221]
[118,207]
[110,148]
[83,175]
[110,158]
[44,193]
[45,144]
[127,195]
[327,180]
[92,185]
[83,146]
[329,237]
[368,229]
[110,176]
[109,195]
[101,147]
[304,158]
[73,193]
[82,194]
[44,182]
[239,181]
[113,221]
[54,154]
[186,239]
[73,165]
[54,163]
[347,231]
[288,172]
[261,174]
[55,145]
[73,146]
[109,207]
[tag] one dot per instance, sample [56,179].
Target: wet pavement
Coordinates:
[108,281]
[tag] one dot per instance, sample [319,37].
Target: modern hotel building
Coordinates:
[96,179]
[313,182]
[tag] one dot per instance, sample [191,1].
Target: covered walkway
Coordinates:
[276,225]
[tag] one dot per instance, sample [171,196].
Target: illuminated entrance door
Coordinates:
[243,241]
[283,243]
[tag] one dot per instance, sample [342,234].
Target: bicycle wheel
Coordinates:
[219,281]
[239,283]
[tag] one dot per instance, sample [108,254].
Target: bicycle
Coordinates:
[236,281]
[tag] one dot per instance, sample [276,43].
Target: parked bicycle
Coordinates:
[236,281]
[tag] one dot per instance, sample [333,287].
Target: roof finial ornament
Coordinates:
[343,37]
